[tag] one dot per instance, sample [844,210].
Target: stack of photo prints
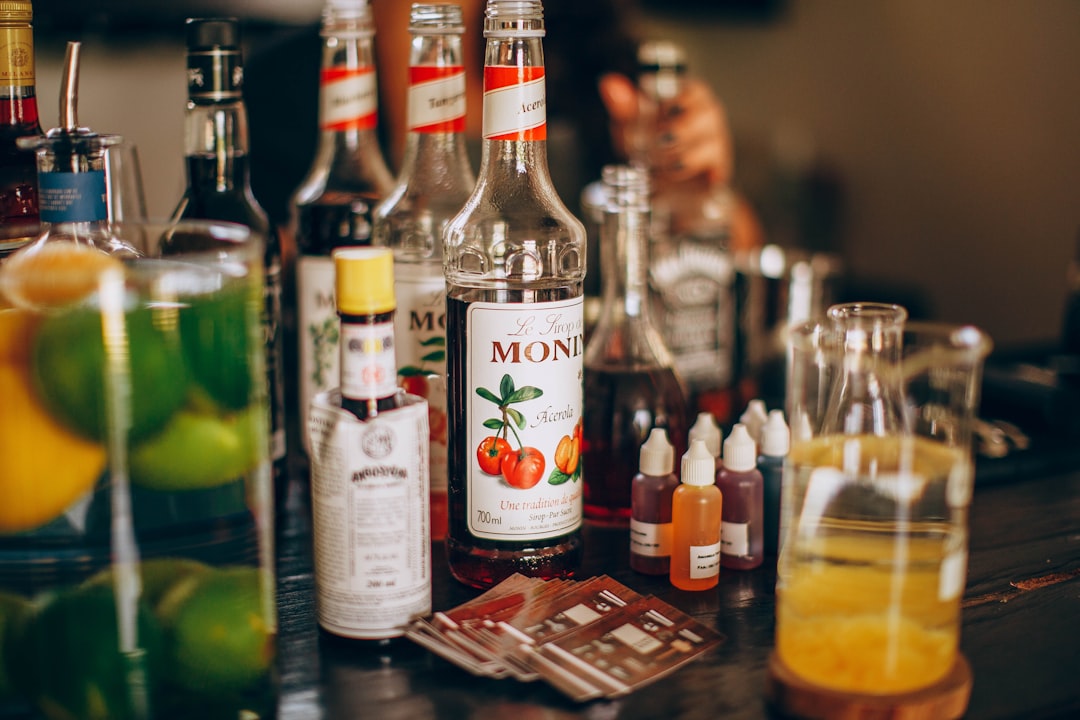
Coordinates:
[590,639]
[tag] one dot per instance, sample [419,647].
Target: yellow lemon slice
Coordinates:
[44,468]
[53,274]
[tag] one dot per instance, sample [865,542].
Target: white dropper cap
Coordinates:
[740,450]
[754,418]
[706,429]
[657,454]
[698,465]
[775,436]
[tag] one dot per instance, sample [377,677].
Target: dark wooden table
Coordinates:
[1021,624]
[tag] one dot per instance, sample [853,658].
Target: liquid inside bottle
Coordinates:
[631,385]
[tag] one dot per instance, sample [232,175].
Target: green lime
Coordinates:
[14,612]
[220,636]
[69,364]
[75,666]
[222,342]
[197,451]
[159,576]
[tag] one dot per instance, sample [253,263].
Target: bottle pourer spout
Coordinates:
[69,89]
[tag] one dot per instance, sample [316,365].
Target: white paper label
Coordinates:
[515,108]
[370,523]
[420,329]
[735,539]
[437,100]
[650,539]
[369,367]
[524,384]
[704,561]
[349,97]
[318,329]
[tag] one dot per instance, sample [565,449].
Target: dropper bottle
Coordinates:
[650,506]
[696,509]
[775,442]
[754,418]
[742,537]
[706,429]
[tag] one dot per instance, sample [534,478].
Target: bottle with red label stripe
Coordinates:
[515,262]
[333,205]
[435,181]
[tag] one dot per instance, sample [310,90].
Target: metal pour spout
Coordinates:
[69,89]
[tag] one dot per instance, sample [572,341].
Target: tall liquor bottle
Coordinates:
[333,205]
[434,183]
[18,118]
[514,327]
[691,273]
[219,184]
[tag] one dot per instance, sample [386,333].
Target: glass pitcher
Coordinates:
[875,499]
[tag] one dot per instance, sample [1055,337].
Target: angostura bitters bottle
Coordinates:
[332,207]
[514,269]
[18,118]
[434,183]
[219,184]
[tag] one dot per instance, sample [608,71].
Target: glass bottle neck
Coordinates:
[217,147]
[436,109]
[515,112]
[348,148]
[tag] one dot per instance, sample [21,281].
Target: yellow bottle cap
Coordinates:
[364,280]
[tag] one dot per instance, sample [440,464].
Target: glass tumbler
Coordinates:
[875,498]
[136,519]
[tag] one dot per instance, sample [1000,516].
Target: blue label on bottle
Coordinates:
[72,197]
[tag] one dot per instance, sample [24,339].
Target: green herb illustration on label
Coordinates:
[324,340]
[521,468]
[438,355]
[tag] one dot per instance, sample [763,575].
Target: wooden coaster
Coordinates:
[792,696]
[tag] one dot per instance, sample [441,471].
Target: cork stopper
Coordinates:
[740,450]
[705,428]
[775,436]
[657,454]
[698,465]
[364,280]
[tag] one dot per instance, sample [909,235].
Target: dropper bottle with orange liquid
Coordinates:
[695,522]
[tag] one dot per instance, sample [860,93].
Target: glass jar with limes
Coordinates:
[136,519]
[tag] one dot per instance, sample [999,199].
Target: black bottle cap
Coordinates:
[210,33]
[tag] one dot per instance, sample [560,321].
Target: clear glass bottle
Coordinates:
[691,272]
[332,207]
[435,181]
[630,383]
[695,522]
[514,330]
[72,185]
[219,185]
[18,119]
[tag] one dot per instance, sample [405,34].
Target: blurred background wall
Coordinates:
[937,143]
